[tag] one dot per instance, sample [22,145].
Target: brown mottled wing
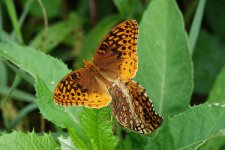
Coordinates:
[133,109]
[116,55]
[80,88]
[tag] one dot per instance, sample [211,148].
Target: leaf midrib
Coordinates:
[162,86]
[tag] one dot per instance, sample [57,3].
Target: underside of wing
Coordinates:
[133,109]
[81,88]
[116,55]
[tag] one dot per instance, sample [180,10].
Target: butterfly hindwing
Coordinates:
[133,109]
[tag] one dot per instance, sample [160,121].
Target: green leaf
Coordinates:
[214,143]
[208,60]
[189,129]
[80,141]
[27,141]
[217,94]
[47,71]
[66,143]
[165,68]
[57,114]
[98,127]
[13,16]
[94,37]
[35,63]
[56,33]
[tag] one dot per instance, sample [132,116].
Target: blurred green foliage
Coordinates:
[181,53]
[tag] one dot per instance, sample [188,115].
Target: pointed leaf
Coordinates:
[216,143]
[98,127]
[56,33]
[47,71]
[27,141]
[217,94]
[66,143]
[165,68]
[190,129]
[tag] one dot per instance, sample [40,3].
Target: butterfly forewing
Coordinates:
[81,88]
[116,55]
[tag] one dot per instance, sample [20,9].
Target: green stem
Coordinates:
[21,114]
[13,16]
[195,26]
[14,85]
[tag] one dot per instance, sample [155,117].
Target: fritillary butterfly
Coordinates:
[114,65]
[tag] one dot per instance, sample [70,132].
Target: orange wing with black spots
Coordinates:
[81,88]
[133,109]
[114,64]
[116,55]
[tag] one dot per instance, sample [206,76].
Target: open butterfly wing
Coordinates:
[133,109]
[81,88]
[116,55]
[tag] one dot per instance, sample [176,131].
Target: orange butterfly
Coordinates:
[114,65]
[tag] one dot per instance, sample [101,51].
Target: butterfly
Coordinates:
[109,78]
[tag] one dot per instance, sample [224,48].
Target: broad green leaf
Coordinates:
[27,141]
[81,121]
[134,141]
[66,143]
[217,94]
[214,143]
[98,127]
[80,140]
[208,60]
[13,17]
[47,71]
[56,33]
[189,129]
[94,37]
[36,63]
[57,114]
[165,68]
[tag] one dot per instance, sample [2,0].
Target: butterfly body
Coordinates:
[114,65]
[96,73]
